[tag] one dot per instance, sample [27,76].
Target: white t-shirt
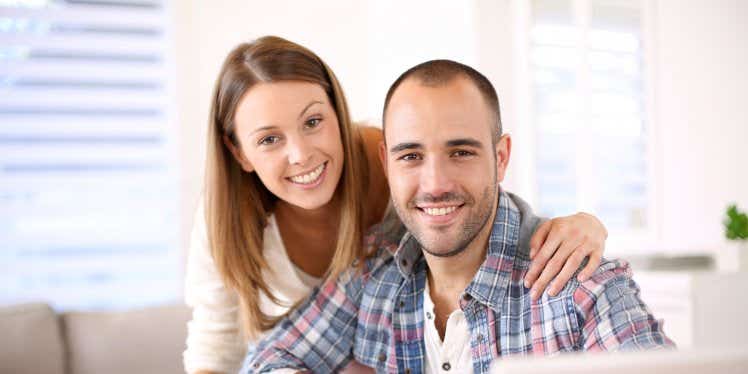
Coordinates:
[453,354]
[213,340]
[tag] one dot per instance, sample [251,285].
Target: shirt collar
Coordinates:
[408,255]
[492,279]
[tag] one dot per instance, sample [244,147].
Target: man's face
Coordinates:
[442,168]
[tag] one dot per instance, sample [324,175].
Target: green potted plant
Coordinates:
[736,231]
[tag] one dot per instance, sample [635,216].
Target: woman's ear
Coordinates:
[238,155]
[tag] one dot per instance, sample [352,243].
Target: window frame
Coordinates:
[646,241]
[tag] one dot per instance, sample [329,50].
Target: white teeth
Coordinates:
[439,211]
[309,177]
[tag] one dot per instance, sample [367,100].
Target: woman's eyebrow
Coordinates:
[263,128]
[309,106]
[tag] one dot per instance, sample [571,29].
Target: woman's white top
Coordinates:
[214,342]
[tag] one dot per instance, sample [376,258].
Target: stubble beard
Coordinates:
[472,226]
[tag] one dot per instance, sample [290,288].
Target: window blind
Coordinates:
[88,167]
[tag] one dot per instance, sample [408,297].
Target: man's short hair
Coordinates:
[436,73]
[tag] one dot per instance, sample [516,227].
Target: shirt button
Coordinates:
[402,303]
[480,337]
[404,262]
[428,315]
[407,370]
[446,366]
[382,357]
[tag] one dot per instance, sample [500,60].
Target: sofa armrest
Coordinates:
[31,340]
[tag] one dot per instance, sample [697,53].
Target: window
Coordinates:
[88,171]
[589,108]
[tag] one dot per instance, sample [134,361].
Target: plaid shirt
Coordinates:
[375,314]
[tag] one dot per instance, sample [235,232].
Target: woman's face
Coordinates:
[289,135]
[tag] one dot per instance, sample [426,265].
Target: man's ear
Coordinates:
[503,151]
[238,155]
[383,156]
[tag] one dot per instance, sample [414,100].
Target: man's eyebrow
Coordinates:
[405,146]
[464,141]
[309,106]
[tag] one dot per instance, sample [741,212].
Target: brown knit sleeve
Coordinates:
[377,192]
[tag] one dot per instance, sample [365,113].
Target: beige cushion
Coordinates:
[30,340]
[141,341]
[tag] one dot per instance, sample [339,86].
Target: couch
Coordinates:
[34,339]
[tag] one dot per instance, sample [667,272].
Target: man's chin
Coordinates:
[439,246]
[438,240]
[444,252]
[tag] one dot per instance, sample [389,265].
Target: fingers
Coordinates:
[592,265]
[554,266]
[539,262]
[571,266]
[551,249]
[538,238]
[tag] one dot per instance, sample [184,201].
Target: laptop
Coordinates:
[727,360]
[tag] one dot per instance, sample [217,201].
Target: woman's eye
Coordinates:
[268,140]
[312,123]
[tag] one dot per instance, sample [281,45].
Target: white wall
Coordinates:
[401,34]
[702,114]
[700,61]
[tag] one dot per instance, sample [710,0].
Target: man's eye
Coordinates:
[410,157]
[462,153]
[269,140]
[312,123]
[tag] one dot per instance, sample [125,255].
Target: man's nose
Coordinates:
[435,178]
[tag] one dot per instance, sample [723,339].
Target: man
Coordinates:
[447,295]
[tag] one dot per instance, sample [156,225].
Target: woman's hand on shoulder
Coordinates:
[558,248]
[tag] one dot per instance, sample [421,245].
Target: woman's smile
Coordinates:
[311,178]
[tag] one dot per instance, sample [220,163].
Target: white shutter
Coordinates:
[88,186]
[590,112]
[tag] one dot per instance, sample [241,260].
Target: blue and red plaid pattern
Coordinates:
[375,313]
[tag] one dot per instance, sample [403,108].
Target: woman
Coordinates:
[291,186]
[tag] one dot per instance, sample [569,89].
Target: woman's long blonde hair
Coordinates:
[237,203]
